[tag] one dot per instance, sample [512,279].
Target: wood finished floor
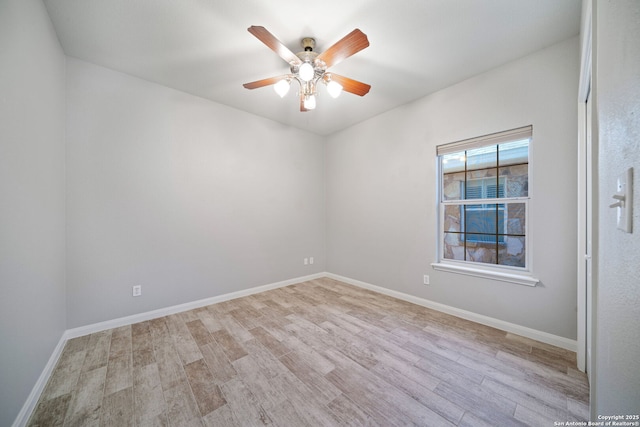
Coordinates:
[319,353]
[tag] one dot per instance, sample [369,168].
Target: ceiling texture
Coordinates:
[202,47]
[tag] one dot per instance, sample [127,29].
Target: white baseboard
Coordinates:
[30,404]
[154,314]
[555,340]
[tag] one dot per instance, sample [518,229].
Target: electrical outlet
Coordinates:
[426,279]
[306,261]
[310,260]
[137,290]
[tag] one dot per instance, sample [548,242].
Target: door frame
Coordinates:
[585,201]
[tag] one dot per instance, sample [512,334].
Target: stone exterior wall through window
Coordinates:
[509,246]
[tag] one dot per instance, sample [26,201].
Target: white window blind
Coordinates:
[481,141]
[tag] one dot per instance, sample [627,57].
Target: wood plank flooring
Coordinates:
[319,353]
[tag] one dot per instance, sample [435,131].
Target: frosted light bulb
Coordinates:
[310,102]
[281,88]
[334,89]
[306,71]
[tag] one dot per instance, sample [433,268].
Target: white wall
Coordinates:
[32,302]
[616,388]
[381,190]
[188,198]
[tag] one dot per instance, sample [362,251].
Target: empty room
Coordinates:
[365,213]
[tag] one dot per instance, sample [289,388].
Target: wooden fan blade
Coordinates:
[264,82]
[350,85]
[274,44]
[350,44]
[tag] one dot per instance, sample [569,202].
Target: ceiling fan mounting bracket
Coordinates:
[308,43]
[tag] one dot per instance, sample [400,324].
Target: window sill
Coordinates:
[520,279]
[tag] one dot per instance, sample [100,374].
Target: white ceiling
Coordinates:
[202,46]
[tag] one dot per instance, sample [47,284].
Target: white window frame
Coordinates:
[511,274]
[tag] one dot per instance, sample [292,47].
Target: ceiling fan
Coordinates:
[309,68]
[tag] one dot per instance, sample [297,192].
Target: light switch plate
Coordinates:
[624,186]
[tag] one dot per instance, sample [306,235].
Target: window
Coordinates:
[484,202]
[478,220]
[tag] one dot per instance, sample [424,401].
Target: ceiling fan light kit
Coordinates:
[309,68]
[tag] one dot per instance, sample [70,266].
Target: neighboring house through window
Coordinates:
[484,202]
